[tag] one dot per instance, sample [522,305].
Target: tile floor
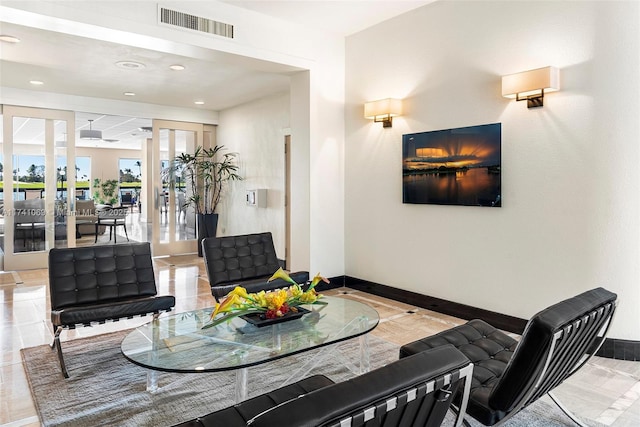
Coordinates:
[604,390]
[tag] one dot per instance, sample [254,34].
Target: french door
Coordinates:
[39,183]
[174,224]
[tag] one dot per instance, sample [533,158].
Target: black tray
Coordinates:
[254,318]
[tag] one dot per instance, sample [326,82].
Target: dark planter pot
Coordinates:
[207,226]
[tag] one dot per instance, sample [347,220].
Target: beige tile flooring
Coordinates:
[604,390]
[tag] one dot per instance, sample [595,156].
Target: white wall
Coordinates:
[570,215]
[105,162]
[256,132]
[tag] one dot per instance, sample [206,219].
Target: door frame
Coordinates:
[38,259]
[287,200]
[170,246]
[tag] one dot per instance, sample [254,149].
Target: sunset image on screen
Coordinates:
[455,166]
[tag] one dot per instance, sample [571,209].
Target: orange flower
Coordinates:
[227,305]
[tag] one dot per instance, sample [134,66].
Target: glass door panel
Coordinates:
[28,187]
[163,199]
[174,228]
[185,218]
[37,203]
[61,211]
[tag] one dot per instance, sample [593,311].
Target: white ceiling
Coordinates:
[86,67]
[338,17]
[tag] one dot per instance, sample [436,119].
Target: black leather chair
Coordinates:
[414,391]
[99,283]
[247,260]
[510,375]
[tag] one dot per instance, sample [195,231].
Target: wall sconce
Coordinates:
[531,85]
[383,110]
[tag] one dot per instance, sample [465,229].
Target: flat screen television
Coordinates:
[453,167]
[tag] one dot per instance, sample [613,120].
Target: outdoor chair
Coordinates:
[29,220]
[510,375]
[247,260]
[414,391]
[127,200]
[95,284]
[112,218]
[181,205]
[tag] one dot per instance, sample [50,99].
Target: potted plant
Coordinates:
[105,191]
[205,172]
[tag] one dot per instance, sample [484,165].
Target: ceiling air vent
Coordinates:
[192,22]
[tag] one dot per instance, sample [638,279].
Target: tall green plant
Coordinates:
[206,172]
[105,191]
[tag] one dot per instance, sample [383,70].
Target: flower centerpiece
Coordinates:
[270,304]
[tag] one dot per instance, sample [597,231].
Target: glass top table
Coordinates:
[177,343]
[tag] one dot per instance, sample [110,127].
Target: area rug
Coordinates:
[106,389]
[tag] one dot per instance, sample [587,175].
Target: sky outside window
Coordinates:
[24,162]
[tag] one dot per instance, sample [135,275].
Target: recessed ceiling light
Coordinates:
[9,39]
[177,67]
[130,65]
[36,82]
[129,94]
[198,102]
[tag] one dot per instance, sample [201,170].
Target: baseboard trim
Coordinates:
[612,348]
[500,321]
[334,283]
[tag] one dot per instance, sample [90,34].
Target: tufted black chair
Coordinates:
[247,260]
[510,375]
[99,283]
[414,391]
